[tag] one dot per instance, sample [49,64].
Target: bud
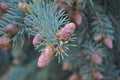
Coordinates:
[84,77]
[77,18]
[24,7]
[66,66]
[96,58]
[12,29]
[69,28]
[44,60]
[108,42]
[4,41]
[74,76]
[64,33]
[8,45]
[97,75]
[46,56]
[4,6]
[98,37]
[36,40]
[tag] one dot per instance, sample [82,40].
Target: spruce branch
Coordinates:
[105,28]
[14,17]
[45,20]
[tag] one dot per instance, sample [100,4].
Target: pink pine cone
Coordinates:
[44,60]
[108,42]
[4,6]
[68,28]
[2,42]
[98,37]
[96,58]
[12,29]
[97,75]
[36,40]
[78,19]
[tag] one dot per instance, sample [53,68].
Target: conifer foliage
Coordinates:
[82,35]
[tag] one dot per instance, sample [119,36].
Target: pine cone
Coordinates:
[24,7]
[97,75]
[64,33]
[4,6]
[12,29]
[44,60]
[46,56]
[66,66]
[4,41]
[108,42]
[68,28]
[36,40]
[98,37]
[9,44]
[77,18]
[84,77]
[96,58]
[74,77]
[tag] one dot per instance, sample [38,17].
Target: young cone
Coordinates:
[46,56]
[24,7]
[84,77]
[36,40]
[98,37]
[8,44]
[97,75]
[44,60]
[77,18]
[4,6]
[4,41]
[64,33]
[66,66]
[74,77]
[108,42]
[69,28]
[12,29]
[96,58]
